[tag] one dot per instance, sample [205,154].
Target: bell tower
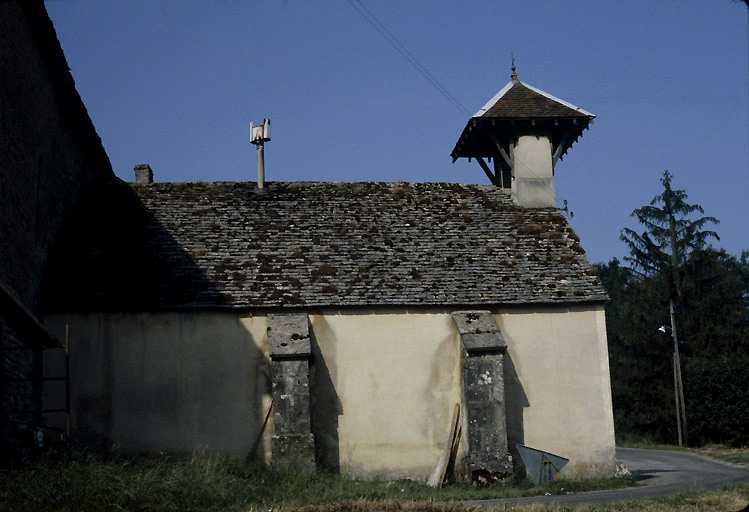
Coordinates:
[524,132]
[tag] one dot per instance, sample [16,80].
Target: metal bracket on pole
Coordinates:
[258,136]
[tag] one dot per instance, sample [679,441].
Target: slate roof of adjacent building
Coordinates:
[214,245]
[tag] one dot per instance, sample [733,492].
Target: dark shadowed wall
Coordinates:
[50,151]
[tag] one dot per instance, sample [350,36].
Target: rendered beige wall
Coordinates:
[397,378]
[384,383]
[557,384]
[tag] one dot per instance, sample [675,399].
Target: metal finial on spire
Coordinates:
[513,76]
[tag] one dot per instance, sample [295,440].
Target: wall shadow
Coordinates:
[516,401]
[325,407]
[115,255]
[260,446]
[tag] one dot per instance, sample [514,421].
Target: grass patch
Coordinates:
[713,451]
[86,482]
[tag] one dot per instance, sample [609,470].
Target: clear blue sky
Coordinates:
[175,84]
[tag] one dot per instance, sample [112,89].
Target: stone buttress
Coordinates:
[485,422]
[290,353]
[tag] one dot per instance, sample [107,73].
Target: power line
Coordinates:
[395,43]
[411,58]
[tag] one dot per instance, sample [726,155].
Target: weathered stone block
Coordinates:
[479,331]
[294,450]
[291,396]
[288,336]
[486,471]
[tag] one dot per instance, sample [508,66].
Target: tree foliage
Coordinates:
[670,260]
[716,397]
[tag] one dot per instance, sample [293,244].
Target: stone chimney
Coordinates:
[143,174]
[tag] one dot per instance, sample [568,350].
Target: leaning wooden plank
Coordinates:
[256,444]
[438,475]
[453,451]
[454,441]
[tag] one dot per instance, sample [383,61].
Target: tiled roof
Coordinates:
[174,245]
[519,100]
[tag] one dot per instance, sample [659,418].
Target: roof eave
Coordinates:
[576,123]
[266,308]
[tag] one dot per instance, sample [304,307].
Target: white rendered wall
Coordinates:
[533,185]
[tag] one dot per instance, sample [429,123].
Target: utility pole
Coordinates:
[676,398]
[681,411]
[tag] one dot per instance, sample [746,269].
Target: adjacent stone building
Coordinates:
[50,154]
[331,324]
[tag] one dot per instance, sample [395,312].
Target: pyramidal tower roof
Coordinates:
[520,100]
[520,109]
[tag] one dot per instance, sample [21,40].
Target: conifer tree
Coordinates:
[669,236]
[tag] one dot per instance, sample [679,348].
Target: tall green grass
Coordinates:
[73,482]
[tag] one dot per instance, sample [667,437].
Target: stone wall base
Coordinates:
[297,450]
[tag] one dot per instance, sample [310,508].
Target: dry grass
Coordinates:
[724,453]
[731,499]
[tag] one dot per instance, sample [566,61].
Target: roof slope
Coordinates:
[69,103]
[519,100]
[174,245]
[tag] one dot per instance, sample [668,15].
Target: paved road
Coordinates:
[661,473]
